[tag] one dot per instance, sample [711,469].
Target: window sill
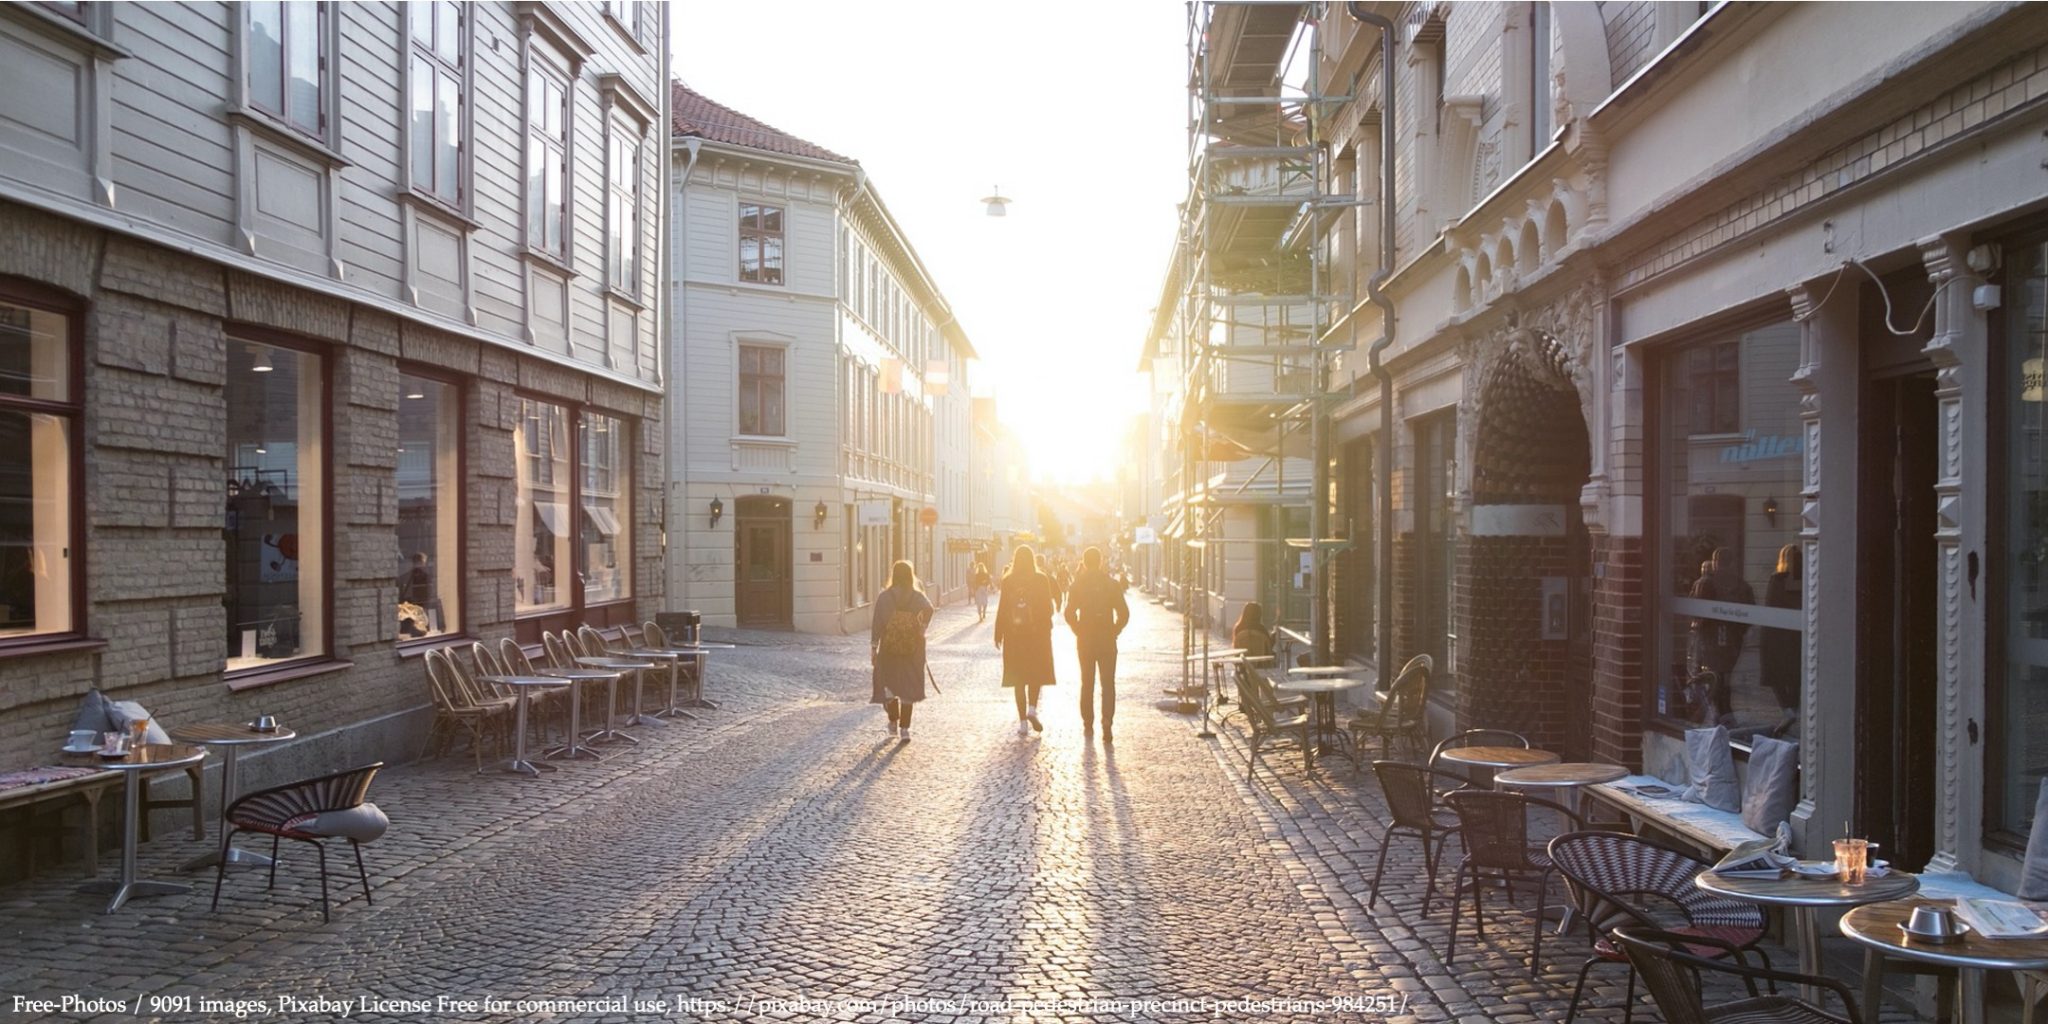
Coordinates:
[29,647]
[419,646]
[764,439]
[277,132]
[68,31]
[258,678]
[437,208]
[558,264]
[626,32]
[629,299]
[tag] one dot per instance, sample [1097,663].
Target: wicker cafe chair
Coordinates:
[1672,974]
[1268,720]
[545,700]
[310,811]
[1412,809]
[456,706]
[1494,828]
[1403,711]
[1618,880]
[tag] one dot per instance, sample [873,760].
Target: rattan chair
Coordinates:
[1672,974]
[310,811]
[1618,880]
[545,700]
[1412,809]
[1269,720]
[1494,828]
[1403,713]
[458,707]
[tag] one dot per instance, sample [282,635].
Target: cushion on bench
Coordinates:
[1696,823]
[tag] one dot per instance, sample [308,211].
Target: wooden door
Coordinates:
[761,537]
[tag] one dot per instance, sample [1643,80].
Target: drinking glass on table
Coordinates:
[1852,859]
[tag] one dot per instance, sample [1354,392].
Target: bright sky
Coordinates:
[1074,108]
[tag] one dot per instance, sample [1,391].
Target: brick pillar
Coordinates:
[1620,636]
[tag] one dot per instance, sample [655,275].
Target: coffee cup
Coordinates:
[81,739]
[265,723]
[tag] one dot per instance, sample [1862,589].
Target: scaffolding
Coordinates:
[1252,306]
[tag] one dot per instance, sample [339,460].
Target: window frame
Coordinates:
[459,386]
[464,75]
[555,69]
[760,235]
[31,295]
[625,477]
[741,383]
[618,130]
[329,659]
[528,627]
[326,19]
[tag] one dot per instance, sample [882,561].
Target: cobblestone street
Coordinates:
[786,849]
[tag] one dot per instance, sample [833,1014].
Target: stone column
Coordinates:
[1959,350]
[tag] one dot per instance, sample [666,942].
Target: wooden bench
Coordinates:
[1711,831]
[89,787]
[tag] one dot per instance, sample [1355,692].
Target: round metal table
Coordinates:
[1567,778]
[1876,927]
[1325,688]
[698,650]
[522,687]
[1497,758]
[639,669]
[230,737]
[1803,896]
[1320,670]
[149,757]
[574,676]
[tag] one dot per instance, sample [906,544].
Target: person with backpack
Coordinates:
[1097,613]
[901,614]
[1024,621]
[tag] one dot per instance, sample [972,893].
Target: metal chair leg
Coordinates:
[324,915]
[273,863]
[360,873]
[221,871]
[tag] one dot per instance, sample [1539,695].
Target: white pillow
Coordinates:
[1710,770]
[1772,789]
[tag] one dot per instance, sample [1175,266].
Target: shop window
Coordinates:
[1436,542]
[541,525]
[2018,699]
[1730,465]
[607,509]
[429,481]
[276,506]
[39,434]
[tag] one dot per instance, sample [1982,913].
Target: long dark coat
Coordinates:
[1024,629]
[901,675]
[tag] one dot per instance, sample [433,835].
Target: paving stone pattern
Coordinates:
[783,859]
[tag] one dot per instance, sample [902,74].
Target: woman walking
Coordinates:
[1024,620]
[897,634]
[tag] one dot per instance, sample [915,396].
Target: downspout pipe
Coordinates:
[1383,464]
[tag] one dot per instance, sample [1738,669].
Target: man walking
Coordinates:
[1097,612]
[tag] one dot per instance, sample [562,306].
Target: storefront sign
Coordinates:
[1146,535]
[1769,446]
[874,513]
[1729,611]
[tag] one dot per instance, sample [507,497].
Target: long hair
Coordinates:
[1251,617]
[1022,561]
[903,575]
[1791,559]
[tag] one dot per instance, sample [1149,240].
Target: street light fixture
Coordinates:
[818,515]
[997,203]
[717,510]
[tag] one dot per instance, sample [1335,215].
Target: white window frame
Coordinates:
[463,71]
[779,345]
[628,117]
[326,107]
[546,66]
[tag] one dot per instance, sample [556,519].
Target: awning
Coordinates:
[603,519]
[1175,526]
[551,517]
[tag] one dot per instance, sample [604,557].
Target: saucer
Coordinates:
[1962,929]
[90,748]
[1816,872]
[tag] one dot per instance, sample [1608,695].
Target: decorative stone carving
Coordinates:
[1943,257]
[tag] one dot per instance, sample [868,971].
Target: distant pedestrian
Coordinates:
[897,634]
[1250,633]
[977,584]
[1024,619]
[1052,580]
[1097,613]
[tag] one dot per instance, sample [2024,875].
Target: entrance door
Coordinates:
[1897,595]
[762,585]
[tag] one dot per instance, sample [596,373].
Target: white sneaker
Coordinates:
[905,736]
[1023,728]
[1031,716]
[892,728]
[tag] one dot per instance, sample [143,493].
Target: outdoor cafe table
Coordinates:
[637,666]
[1213,659]
[149,757]
[1320,670]
[696,650]
[230,737]
[1495,759]
[1567,778]
[1324,688]
[1876,927]
[575,748]
[673,659]
[520,686]
[1804,896]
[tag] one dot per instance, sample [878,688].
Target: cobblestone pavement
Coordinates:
[785,860]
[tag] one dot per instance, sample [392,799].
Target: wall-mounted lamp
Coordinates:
[717,510]
[997,203]
[1771,510]
[262,364]
[818,515]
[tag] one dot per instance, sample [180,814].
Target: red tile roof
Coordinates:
[694,114]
